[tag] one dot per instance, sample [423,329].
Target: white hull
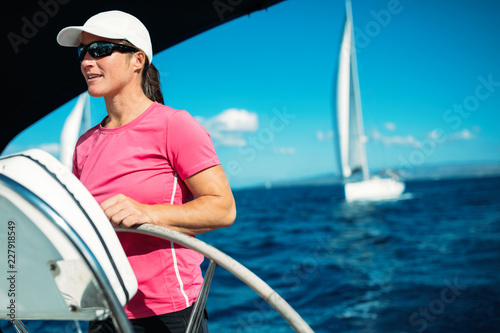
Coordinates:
[373,189]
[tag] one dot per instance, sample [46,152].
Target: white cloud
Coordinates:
[228,139]
[434,134]
[233,119]
[408,140]
[227,128]
[285,151]
[390,126]
[53,148]
[324,136]
[464,134]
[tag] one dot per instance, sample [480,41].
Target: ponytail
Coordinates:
[151,83]
[150,79]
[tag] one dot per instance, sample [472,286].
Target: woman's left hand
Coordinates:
[125,212]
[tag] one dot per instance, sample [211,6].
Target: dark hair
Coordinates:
[150,79]
[151,83]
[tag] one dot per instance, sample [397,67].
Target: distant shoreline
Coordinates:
[423,173]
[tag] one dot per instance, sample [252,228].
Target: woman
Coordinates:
[144,163]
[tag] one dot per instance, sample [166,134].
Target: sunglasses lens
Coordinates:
[81,52]
[99,50]
[96,50]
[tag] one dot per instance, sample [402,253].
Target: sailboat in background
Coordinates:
[77,123]
[350,137]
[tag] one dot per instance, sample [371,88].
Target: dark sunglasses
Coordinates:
[102,49]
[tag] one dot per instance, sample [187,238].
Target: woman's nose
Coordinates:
[88,61]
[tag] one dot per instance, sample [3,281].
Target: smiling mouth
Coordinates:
[93,76]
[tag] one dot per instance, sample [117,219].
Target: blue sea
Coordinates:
[427,262]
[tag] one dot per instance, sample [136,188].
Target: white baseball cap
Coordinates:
[113,24]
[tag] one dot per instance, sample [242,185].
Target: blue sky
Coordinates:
[262,85]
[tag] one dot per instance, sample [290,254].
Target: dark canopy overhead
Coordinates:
[39,75]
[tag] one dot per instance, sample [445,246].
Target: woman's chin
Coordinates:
[95,92]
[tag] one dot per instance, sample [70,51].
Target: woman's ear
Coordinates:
[138,61]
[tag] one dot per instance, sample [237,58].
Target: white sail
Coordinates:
[350,134]
[77,122]
[343,102]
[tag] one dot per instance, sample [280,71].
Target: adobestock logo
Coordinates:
[31,26]
[431,312]
[258,142]
[221,7]
[454,116]
[381,19]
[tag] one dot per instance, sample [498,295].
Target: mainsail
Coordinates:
[350,134]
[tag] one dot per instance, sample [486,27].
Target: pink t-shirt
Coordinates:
[141,160]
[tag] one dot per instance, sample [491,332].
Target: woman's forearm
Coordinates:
[203,214]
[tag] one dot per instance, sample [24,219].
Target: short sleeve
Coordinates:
[189,146]
[75,166]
